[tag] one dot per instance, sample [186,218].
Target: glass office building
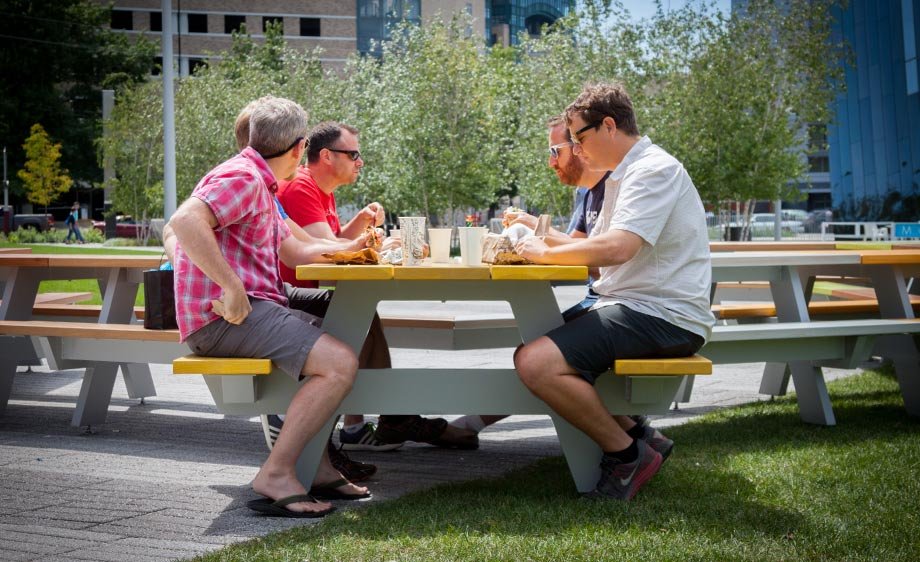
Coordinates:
[376,17]
[874,140]
[507,18]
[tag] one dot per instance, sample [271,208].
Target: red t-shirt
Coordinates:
[306,204]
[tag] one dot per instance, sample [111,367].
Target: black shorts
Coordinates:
[593,341]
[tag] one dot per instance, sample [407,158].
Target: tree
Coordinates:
[42,176]
[55,57]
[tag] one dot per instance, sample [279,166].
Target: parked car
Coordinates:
[813,221]
[125,227]
[11,221]
[761,222]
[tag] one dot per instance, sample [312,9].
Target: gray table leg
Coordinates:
[95,395]
[19,292]
[811,391]
[894,302]
[582,454]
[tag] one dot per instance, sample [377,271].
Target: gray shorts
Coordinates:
[593,341]
[271,331]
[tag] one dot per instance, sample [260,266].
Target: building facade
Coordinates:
[203,28]
[874,139]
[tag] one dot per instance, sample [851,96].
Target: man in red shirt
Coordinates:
[334,160]
[230,300]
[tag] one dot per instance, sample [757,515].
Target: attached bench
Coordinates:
[250,387]
[101,348]
[831,343]
[860,307]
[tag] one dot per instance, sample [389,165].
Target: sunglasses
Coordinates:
[352,154]
[554,150]
[591,125]
[277,154]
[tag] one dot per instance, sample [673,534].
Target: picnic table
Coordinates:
[791,276]
[118,278]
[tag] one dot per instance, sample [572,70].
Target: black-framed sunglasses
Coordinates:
[277,154]
[591,125]
[353,154]
[554,150]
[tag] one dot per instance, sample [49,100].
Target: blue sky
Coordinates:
[645,8]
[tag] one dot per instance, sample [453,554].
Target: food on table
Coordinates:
[506,220]
[367,256]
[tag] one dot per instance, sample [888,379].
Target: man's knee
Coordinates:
[334,360]
[530,362]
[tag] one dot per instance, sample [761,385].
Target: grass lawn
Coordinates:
[80,285]
[746,483]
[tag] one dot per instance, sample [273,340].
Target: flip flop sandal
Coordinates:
[329,491]
[277,508]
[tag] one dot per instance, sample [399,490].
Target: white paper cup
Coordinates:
[471,244]
[439,242]
[412,232]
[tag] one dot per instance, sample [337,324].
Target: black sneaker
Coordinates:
[655,439]
[352,470]
[271,427]
[621,481]
[397,429]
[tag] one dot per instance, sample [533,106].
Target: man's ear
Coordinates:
[610,123]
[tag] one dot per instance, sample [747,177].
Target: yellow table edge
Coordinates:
[332,272]
[197,365]
[539,272]
[441,272]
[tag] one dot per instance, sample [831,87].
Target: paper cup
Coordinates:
[439,242]
[412,232]
[471,244]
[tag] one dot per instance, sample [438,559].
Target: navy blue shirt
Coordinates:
[590,207]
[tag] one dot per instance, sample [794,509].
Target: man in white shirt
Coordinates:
[652,247]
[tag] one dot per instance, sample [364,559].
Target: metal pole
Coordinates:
[778,220]
[6,182]
[169,125]
[108,171]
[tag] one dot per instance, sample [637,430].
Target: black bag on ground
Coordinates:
[159,300]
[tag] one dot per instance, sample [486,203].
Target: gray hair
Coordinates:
[275,124]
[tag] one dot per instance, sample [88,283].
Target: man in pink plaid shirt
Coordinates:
[230,300]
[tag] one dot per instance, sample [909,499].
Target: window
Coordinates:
[309,27]
[156,21]
[198,23]
[195,64]
[818,164]
[269,20]
[122,19]
[234,23]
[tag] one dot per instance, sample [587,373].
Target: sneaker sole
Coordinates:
[365,447]
[645,475]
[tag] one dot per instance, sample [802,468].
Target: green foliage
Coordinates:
[42,175]
[55,59]
[448,125]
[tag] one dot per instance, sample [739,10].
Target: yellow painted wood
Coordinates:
[196,365]
[446,272]
[332,272]
[889,257]
[540,272]
[695,365]
[863,246]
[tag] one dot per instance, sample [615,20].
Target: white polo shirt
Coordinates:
[651,195]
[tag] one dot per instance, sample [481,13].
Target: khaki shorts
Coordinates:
[271,331]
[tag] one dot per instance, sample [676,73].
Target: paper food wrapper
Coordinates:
[367,256]
[497,249]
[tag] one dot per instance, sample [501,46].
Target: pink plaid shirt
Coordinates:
[249,234]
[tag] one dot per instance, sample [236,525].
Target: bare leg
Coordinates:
[331,366]
[374,355]
[544,371]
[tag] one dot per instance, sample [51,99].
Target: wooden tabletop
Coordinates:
[446,272]
[152,261]
[15,250]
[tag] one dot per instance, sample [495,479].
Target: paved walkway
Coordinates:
[169,479]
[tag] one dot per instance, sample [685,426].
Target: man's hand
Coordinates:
[532,248]
[391,243]
[233,306]
[374,213]
[527,220]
